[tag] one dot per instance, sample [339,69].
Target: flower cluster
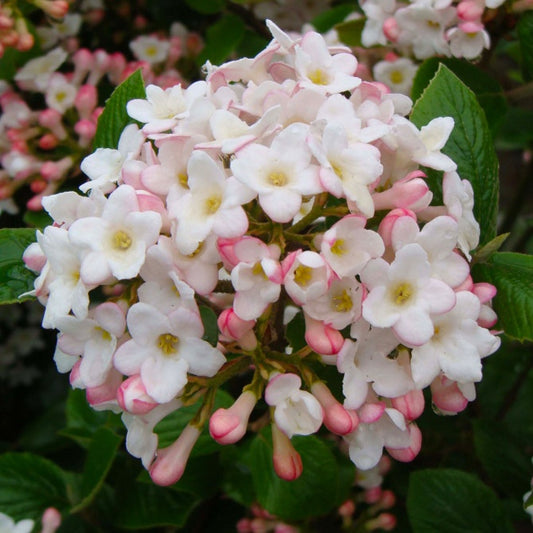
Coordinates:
[427,28]
[42,146]
[282,190]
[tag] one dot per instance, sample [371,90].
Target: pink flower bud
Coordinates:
[86,100]
[132,396]
[51,520]
[86,129]
[387,500]
[391,30]
[35,203]
[371,412]
[227,426]
[373,495]
[336,418]
[285,528]
[105,393]
[471,27]
[347,508]
[406,455]
[34,258]
[25,42]
[244,526]
[55,8]
[52,119]
[170,462]
[447,396]
[287,461]
[321,338]
[234,327]
[38,186]
[411,405]
[484,291]
[469,10]
[411,192]
[48,141]
[386,225]
[74,377]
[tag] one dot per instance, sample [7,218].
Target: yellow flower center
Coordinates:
[60,96]
[105,334]
[257,270]
[151,51]
[302,275]
[212,204]
[278,179]
[396,76]
[402,293]
[338,247]
[121,240]
[167,343]
[183,179]
[319,77]
[342,302]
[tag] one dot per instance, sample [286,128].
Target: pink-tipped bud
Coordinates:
[132,396]
[411,192]
[38,186]
[469,10]
[170,463]
[386,225]
[484,291]
[244,526]
[6,22]
[106,393]
[25,42]
[447,397]
[287,461]
[234,327]
[51,520]
[391,30]
[55,8]
[52,119]
[336,418]
[373,495]
[74,376]
[411,405]
[285,528]
[385,521]
[228,426]
[34,258]
[387,500]
[321,338]
[35,203]
[86,100]
[406,455]
[48,141]
[86,130]
[347,509]
[371,412]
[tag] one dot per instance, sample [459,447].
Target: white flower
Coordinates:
[8,525]
[296,412]
[36,73]
[60,94]
[164,348]
[397,74]
[150,49]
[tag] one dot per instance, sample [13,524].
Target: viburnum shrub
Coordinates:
[261,229]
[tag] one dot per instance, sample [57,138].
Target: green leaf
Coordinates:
[516,132]
[170,428]
[488,91]
[327,19]
[314,493]
[83,421]
[452,501]
[206,7]
[37,219]
[221,39]
[508,466]
[13,59]
[512,274]
[525,36]
[350,32]
[237,481]
[469,145]
[295,332]
[100,457]
[143,505]
[209,320]
[29,484]
[484,253]
[114,118]
[15,278]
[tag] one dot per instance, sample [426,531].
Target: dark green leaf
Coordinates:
[12,59]
[206,7]
[221,39]
[525,36]
[170,428]
[350,32]
[512,274]
[488,91]
[508,466]
[485,252]
[209,320]
[38,219]
[237,483]
[516,132]
[83,421]
[15,278]
[114,118]
[469,145]
[100,457]
[143,505]
[296,332]
[29,484]
[327,19]
[314,493]
[452,501]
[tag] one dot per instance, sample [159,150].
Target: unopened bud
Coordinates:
[287,461]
